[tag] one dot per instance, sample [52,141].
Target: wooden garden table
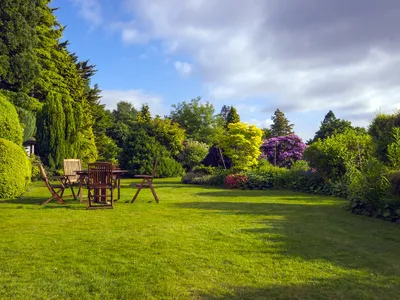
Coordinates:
[83,174]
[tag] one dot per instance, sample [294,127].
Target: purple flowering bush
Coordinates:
[285,149]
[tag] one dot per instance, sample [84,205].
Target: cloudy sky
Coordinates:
[302,56]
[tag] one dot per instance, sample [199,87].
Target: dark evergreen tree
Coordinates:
[18,63]
[266,133]
[232,117]
[330,126]
[51,136]
[280,125]
[225,111]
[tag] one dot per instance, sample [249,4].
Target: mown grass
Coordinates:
[197,243]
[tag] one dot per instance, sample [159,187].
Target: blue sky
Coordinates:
[257,55]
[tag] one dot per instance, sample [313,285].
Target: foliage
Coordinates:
[15,169]
[28,121]
[235,181]
[10,128]
[330,156]
[169,167]
[193,154]
[283,150]
[36,174]
[381,130]
[108,149]
[256,181]
[197,119]
[266,133]
[207,170]
[232,117]
[140,152]
[394,149]
[224,112]
[280,125]
[18,62]
[242,144]
[368,187]
[216,158]
[330,126]
[51,132]
[168,134]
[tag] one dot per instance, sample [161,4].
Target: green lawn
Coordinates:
[197,243]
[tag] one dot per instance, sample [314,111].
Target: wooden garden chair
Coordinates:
[56,190]
[70,168]
[100,186]
[147,182]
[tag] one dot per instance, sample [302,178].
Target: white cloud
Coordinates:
[183,68]
[137,97]
[89,10]
[309,55]
[130,34]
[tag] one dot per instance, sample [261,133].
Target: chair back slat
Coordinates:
[45,178]
[100,173]
[43,173]
[70,166]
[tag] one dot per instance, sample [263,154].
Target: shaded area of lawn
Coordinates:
[197,243]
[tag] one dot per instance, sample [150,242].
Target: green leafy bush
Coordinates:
[15,169]
[206,170]
[193,154]
[10,128]
[169,167]
[331,156]
[140,152]
[256,181]
[35,167]
[368,188]
[381,131]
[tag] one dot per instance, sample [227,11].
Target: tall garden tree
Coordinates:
[241,144]
[124,118]
[329,126]
[283,151]
[281,125]
[232,117]
[197,119]
[225,111]
[18,63]
[381,130]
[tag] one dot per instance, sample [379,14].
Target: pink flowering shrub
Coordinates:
[235,181]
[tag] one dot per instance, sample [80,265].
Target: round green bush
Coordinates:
[15,170]
[10,128]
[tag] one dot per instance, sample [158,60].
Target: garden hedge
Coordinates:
[10,128]
[15,170]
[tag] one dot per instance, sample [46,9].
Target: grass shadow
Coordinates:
[315,231]
[344,287]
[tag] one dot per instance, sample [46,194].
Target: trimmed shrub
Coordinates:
[193,154]
[169,167]
[10,128]
[15,169]
[256,181]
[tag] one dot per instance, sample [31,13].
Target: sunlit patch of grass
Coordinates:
[197,243]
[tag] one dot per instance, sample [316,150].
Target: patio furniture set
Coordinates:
[101,180]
